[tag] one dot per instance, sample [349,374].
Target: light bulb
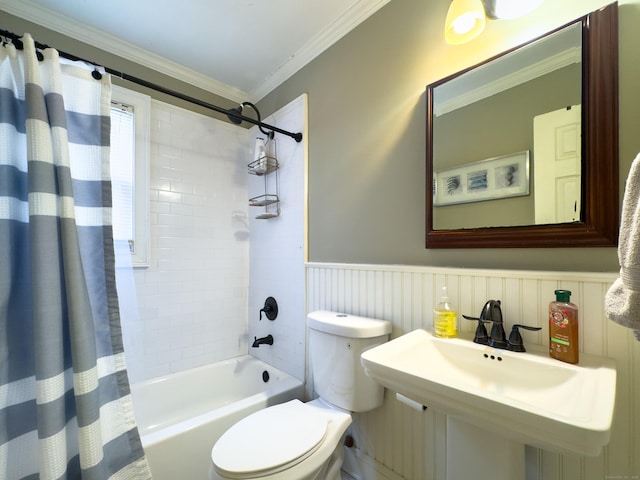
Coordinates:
[464,23]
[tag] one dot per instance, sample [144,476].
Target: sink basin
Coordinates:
[528,397]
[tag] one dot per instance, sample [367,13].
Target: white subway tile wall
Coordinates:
[194,304]
[192,300]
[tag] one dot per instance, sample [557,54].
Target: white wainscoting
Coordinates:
[405,443]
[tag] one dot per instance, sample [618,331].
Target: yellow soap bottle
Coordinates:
[445,317]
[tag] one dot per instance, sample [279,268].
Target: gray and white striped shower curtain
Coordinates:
[65,405]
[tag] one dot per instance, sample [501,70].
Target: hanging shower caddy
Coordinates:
[267,166]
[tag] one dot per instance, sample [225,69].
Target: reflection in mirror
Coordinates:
[523,150]
[528,100]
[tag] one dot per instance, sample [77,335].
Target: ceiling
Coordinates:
[240,49]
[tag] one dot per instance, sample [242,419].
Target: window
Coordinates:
[130,172]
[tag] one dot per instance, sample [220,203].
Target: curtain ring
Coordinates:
[96,74]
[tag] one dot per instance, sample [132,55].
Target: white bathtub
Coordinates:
[180,416]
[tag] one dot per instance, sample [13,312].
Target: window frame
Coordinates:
[141,104]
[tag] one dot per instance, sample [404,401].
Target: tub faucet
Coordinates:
[268,340]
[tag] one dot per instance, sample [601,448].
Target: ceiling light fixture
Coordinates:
[465,21]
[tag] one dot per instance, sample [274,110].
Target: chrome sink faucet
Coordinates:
[492,312]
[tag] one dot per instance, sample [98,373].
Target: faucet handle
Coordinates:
[481,336]
[515,343]
[270,308]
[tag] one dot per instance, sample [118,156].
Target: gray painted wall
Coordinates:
[499,125]
[367,124]
[367,128]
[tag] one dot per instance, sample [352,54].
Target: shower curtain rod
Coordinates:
[16,40]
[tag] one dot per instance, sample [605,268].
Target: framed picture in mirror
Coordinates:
[490,179]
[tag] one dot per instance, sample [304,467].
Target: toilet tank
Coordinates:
[336,341]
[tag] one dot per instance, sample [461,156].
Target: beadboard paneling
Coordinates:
[413,444]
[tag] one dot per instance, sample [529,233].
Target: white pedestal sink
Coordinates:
[476,453]
[498,400]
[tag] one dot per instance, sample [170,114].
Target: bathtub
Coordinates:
[180,416]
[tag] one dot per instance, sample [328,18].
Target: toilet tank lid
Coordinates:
[347,325]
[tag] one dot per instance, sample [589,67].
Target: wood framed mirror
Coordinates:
[596,205]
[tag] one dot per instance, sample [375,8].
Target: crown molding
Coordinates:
[59,23]
[355,15]
[359,12]
[548,65]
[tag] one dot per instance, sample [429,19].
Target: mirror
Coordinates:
[522,150]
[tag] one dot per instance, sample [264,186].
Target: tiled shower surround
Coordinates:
[195,304]
[192,299]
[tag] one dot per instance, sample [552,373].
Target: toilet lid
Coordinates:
[269,440]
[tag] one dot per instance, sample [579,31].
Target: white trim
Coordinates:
[142,108]
[531,72]
[474,272]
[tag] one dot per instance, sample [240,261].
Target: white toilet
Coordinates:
[304,441]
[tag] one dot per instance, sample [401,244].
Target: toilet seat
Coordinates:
[270,441]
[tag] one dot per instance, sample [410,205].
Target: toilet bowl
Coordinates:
[304,441]
[290,441]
